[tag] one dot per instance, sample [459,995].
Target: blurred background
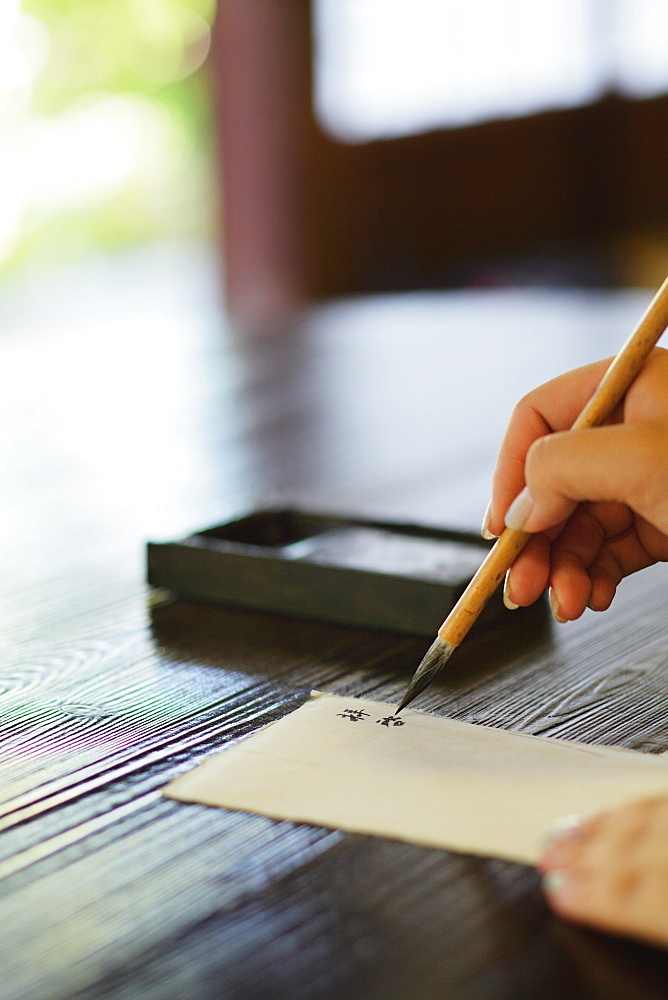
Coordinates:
[178,177]
[105,126]
[336,147]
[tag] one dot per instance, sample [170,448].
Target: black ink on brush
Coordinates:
[436,657]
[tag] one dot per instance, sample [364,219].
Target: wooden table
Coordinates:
[132,411]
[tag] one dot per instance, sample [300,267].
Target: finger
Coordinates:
[619,557]
[647,398]
[576,583]
[556,405]
[603,589]
[565,843]
[624,463]
[525,427]
[579,557]
[612,873]
[553,406]
[529,575]
[595,550]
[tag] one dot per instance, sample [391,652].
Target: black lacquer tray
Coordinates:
[382,574]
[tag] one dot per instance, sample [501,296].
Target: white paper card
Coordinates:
[351,764]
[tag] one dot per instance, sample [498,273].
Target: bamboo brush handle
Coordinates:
[628,362]
[615,383]
[498,561]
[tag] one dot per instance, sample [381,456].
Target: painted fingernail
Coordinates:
[519,510]
[555,881]
[484,531]
[554,608]
[565,828]
[506,595]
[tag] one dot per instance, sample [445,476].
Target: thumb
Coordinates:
[615,463]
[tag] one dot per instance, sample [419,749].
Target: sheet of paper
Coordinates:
[353,765]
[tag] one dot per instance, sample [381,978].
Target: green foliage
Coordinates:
[115,45]
[146,54]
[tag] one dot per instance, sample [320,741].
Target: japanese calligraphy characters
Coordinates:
[359,715]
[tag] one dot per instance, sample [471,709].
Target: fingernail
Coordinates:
[565,827]
[519,510]
[555,881]
[506,595]
[484,531]
[554,608]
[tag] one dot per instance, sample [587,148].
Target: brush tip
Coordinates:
[434,659]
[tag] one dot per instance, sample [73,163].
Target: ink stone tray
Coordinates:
[380,574]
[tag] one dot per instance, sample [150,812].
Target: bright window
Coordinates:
[397,67]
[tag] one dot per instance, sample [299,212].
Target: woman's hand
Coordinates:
[596,501]
[612,872]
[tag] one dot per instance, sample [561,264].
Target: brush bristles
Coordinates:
[434,660]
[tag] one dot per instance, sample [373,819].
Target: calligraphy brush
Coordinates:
[615,383]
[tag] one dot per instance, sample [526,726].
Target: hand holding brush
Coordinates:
[635,492]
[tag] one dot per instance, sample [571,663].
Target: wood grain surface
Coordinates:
[133,411]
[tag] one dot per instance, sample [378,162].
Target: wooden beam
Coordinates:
[262,82]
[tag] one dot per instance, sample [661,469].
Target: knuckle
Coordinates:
[527,405]
[538,455]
